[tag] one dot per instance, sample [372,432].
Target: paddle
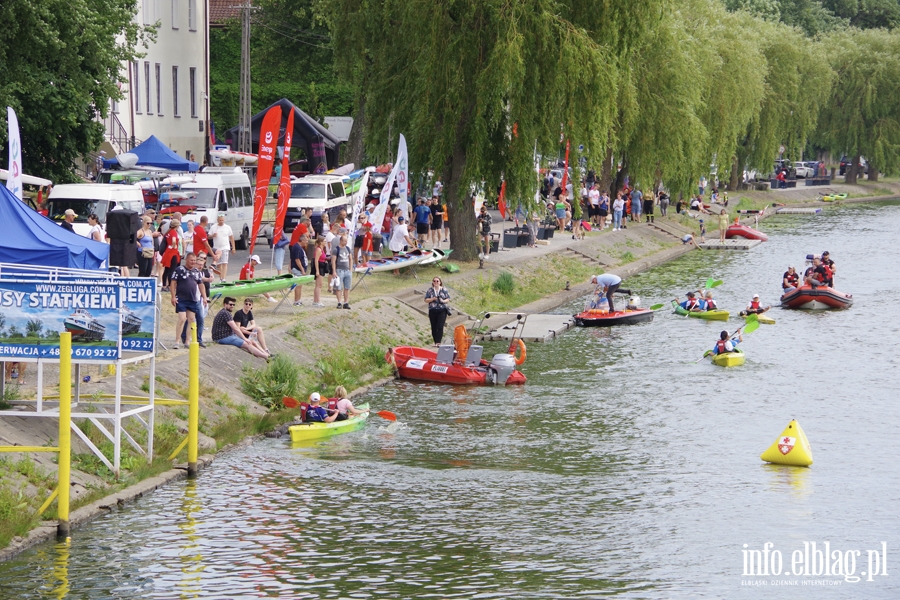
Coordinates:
[750,326]
[289,402]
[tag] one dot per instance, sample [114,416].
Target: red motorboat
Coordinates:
[595,318]
[816,298]
[460,363]
[736,230]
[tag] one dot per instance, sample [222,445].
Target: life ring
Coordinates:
[521,358]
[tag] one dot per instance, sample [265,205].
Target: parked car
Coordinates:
[845,164]
[803,170]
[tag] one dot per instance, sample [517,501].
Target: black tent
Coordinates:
[306,132]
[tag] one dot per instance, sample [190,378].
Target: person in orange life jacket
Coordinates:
[316,413]
[816,275]
[725,345]
[343,405]
[755,308]
[247,274]
[790,279]
[828,265]
[692,304]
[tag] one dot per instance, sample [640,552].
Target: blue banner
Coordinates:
[138,308]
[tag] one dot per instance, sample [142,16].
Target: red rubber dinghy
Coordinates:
[736,230]
[461,362]
[816,298]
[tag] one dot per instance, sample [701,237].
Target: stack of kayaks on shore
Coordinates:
[262,285]
[400,261]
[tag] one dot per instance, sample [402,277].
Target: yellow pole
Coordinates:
[193,400]
[65,432]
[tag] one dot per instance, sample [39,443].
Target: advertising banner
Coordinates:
[268,141]
[33,314]
[137,302]
[14,183]
[284,186]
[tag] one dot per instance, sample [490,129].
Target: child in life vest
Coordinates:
[726,345]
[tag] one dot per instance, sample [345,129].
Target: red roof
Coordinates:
[220,11]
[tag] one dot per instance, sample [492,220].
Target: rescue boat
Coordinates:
[595,318]
[736,230]
[816,298]
[460,363]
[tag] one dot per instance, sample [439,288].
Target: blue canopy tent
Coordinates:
[153,153]
[30,238]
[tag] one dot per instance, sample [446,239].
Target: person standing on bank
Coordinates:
[484,229]
[342,267]
[437,298]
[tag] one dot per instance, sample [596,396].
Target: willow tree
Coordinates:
[476,85]
[797,82]
[862,114]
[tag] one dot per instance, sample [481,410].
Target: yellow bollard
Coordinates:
[193,400]
[65,433]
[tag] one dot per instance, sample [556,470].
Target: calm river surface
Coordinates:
[620,468]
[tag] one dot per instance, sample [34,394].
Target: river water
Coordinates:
[621,468]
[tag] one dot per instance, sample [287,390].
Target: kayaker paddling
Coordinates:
[709,301]
[754,308]
[726,344]
[692,304]
[316,413]
[344,406]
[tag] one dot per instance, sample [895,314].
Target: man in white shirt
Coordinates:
[594,196]
[223,243]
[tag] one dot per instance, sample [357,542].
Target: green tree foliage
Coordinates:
[861,115]
[809,15]
[866,14]
[60,64]
[290,57]
[475,84]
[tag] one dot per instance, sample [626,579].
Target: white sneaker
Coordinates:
[298,303]
[318,304]
[272,300]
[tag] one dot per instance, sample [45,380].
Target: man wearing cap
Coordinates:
[248,273]
[692,304]
[69,219]
[223,243]
[226,332]
[607,284]
[316,413]
[828,265]
[754,308]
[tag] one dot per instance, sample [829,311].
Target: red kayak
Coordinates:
[595,318]
[816,298]
[743,231]
[423,364]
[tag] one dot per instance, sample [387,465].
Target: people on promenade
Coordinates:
[146,251]
[223,244]
[299,265]
[484,228]
[188,297]
[637,199]
[342,267]
[618,211]
[320,268]
[437,222]
[723,224]
[248,273]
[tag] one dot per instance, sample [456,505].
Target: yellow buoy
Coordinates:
[791,448]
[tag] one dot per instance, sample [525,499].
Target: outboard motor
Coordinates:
[503,365]
[634,303]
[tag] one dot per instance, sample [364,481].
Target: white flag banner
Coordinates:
[14,181]
[377,217]
[403,174]
[358,199]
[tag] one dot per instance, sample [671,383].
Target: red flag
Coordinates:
[501,204]
[268,140]
[284,186]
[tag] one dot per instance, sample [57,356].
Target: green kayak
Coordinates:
[259,286]
[709,315]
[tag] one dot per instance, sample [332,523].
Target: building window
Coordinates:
[175,91]
[192,15]
[193,84]
[174,14]
[115,106]
[136,92]
[147,86]
[159,109]
[145,11]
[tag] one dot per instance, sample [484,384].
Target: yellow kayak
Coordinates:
[764,319]
[729,359]
[314,431]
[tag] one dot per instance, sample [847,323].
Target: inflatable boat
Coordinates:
[816,298]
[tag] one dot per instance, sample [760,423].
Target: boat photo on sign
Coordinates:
[33,314]
[138,306]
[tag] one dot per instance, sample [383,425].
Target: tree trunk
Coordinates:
[354,150]
[621,174]
[463,236]
[853,171]
[736,175]
[606,178]
[873,172]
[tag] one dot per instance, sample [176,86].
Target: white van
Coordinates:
[97,198]
[223,190]
[321,193]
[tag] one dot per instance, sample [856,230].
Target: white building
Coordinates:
[167,93]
